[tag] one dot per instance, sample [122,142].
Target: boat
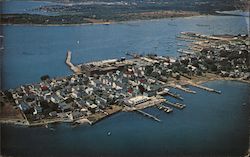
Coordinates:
[52,129]
[244,104]
[202,25]
[109,133]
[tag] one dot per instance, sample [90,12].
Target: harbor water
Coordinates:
[210,125]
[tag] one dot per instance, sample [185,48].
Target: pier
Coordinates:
[177,96]
[68,62]
[176,105]
[204,88]
[148,115]
[182,88]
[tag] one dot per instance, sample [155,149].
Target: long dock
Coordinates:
[68,62]
[204,88]
[177,96]
[176,105]
[182,88]
[148,115]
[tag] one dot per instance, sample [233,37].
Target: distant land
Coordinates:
[108,11]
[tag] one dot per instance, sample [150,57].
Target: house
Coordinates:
[101,101]
[89,90]
[82,94]
[93,108]
[55,99]
[64,107]
[24,107]
[77,114]
[119,86]
[37,109]
[44,88]
[53,114]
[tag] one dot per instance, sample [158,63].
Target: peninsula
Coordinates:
[105,12]
[99,89]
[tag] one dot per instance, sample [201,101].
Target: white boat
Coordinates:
[109,133]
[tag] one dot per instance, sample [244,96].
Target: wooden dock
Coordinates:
[176,105]
[177,86]
[148,115]
[177,96]
[204,88]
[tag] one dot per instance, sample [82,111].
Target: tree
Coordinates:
[213,68]
[44,77]
[148,70]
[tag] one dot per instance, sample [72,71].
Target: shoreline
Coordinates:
[99,22]
[105,23]
[97,89]
[219,78]
[97,119]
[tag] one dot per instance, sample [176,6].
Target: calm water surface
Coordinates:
[211,124]
[18,7]
[32,51]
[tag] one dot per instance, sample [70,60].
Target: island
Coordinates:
[100,89]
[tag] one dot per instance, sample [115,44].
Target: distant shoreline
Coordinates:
[124,18]
[104,23]
[113,22]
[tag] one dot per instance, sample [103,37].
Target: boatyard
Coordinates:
[100,89]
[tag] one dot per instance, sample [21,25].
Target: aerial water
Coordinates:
[33,51]
[210,125]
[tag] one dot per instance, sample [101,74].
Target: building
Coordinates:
[138,100]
